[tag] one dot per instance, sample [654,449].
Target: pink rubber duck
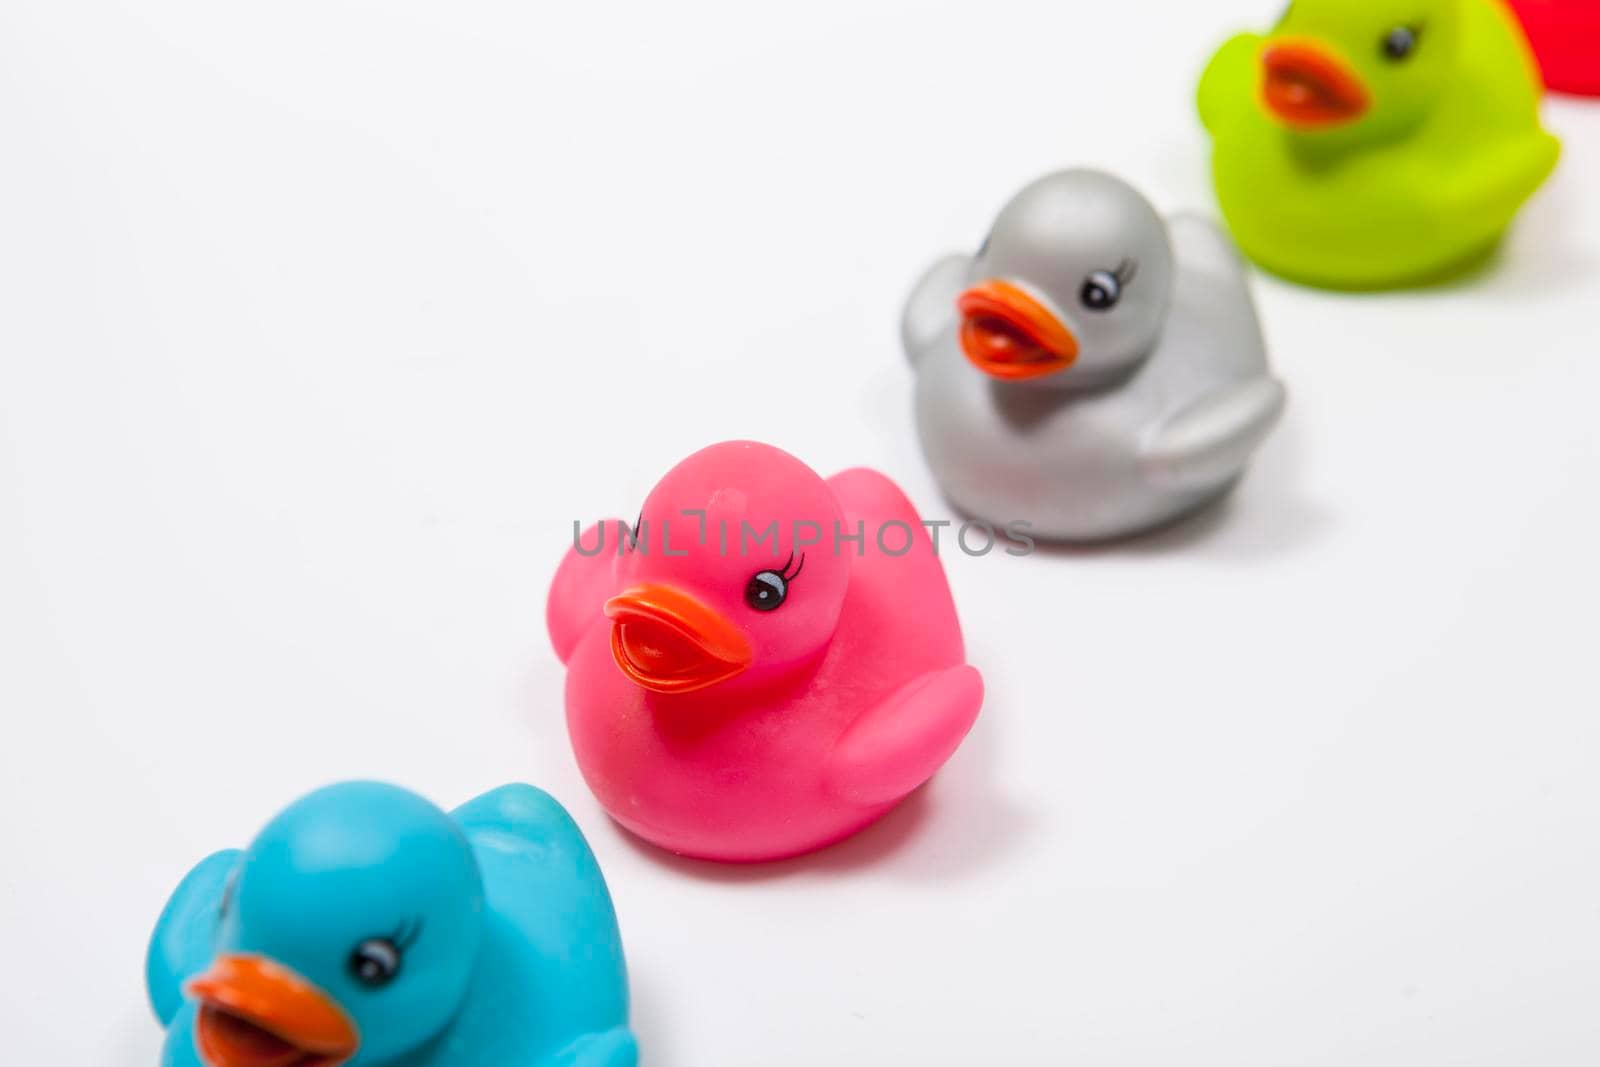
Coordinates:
[765,662]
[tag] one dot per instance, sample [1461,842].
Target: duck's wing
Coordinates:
[931,307]
[582,583]
[528,825]
[1492,185]
[1210,437]
[553,913]
[1200,247]
[1209,440]
[900,743]
[612,1048]
[876,623]
[182,944]
[1213,330]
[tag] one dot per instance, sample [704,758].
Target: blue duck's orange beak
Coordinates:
[1308,87]
[1009,335]
[256,1013]
[669,642]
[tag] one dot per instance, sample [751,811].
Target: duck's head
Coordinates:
[734,577]
[347,935]
[1071,287]
[1352,72]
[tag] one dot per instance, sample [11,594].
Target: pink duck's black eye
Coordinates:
[767,590]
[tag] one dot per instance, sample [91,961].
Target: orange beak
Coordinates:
[669,642]
[1009,335]
[255,1013]
[1309,88]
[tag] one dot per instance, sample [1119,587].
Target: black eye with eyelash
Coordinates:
[1101,291]
[767,590]
[1400,42]
[1103,288]
[375,962]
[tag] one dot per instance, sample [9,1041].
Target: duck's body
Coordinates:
[1417,181]
[1565,35]
[776,760]
[1087,401]
[547,986]
[1101,463]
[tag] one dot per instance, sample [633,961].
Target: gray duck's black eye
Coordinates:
[1101,291]
[375,962]
[1400,42]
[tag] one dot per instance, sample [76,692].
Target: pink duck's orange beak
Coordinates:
[255,1013]
[669,642]
[1009,335]
[1309,88]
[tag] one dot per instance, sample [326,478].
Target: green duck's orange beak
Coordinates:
[256,1013]
[1309,88]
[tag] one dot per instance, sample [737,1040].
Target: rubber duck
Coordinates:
[1092,369]
[764,662]
[366,927]
[1369,144]
[1565,35]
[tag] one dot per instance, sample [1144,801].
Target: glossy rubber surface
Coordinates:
[478,938]
[1414,187]
[854,690]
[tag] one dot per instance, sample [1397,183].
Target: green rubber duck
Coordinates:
[1369,144]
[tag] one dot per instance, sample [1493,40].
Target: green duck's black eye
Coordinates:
[1101,291]
[1400,42]
[375,962]
[767,590]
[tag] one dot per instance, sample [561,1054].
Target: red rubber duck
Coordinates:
[1565,35]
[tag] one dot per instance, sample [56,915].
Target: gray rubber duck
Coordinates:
[1092,370]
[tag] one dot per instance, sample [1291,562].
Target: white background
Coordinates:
[321,322]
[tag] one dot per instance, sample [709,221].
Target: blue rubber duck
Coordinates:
[365,927]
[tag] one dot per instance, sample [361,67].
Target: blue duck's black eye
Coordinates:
[375,962]
[766,591]
[1101,291]
[1400,42]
